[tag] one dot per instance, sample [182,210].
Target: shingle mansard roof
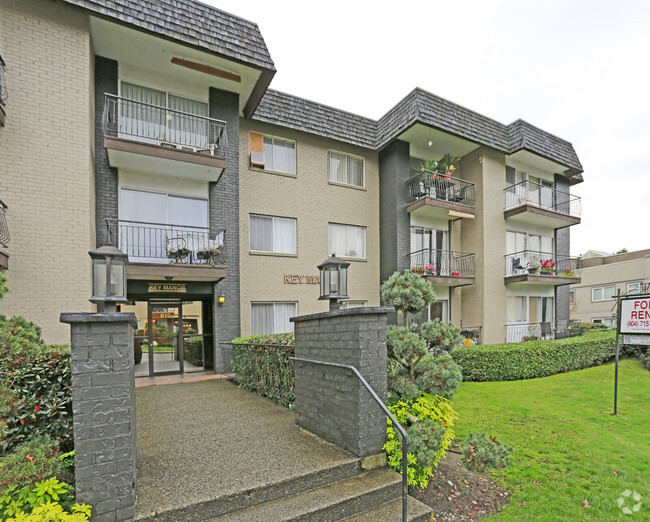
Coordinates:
[194,24]
[418,106]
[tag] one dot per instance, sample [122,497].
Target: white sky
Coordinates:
[577,69]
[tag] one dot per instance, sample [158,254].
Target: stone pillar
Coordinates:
[332,402]
[103,405]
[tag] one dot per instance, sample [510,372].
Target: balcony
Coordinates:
[4,237]
[444,267]
[531,203]
[516,333]
[438,196]
[148,138]
[528,266]
[158,251]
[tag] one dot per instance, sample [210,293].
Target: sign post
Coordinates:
[633,314]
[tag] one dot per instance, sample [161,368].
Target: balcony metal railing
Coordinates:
[548,198]
[131,119]
[157,243]
[4,229]
[445,188]
[444,263]
[533,263]
[516,333]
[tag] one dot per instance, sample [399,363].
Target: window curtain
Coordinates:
[139,120]
[355,171]
[284,235]
[282,313]
[337,244]
[145,242]
[356,237]
[185,129]
[261,318]
[261,233]
[337,168]
[267,149]
[284,156]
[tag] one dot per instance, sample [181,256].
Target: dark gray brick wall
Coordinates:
[105,176]
[562,249]
[103,404]
[224,214]
[394,172]
[332,402]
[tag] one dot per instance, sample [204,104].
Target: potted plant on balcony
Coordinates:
[548,266]
[533,265]
[447,165]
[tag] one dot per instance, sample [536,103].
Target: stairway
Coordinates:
[348,491]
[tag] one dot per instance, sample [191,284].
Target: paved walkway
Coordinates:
[203,440]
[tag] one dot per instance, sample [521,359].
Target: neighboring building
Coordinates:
[151,127]
[602,278]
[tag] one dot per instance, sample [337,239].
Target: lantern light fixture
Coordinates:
[109,278]
[333,280]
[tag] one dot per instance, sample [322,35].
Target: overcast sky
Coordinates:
[577,69]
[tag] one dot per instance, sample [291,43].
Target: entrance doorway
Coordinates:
[173,336]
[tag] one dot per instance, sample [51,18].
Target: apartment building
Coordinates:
[164,140]
[603,277]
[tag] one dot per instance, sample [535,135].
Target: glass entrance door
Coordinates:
[172,336]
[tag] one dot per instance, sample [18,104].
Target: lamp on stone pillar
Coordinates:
[109,278]
[333,280]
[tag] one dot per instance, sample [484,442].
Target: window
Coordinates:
[572,296]
[347,304]
[272,318]
[603,293]
[634,288]
[347,241]
[607,322]
[279,154]
[344,168]
[273,234]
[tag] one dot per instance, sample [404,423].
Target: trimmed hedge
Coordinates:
[531,359]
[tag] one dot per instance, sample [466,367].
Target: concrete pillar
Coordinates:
[332,402]
[103,405]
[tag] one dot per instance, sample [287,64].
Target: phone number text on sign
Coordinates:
[635,315]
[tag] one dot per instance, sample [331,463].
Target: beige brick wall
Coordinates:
[314,202]
[46,161]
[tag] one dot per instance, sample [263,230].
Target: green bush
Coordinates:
[531,359]
[440,337]
[29,463]
[266,370]
[20,340]
[46,500]
[38,397]
[481,453]
[428,421]
[407,292]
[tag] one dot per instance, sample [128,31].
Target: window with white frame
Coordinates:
[634,288]
[347,241]
[572,296]
[279,154]
[272,234]
[606,321]
[272,318]
[602,293]
[350,303]
[347,169]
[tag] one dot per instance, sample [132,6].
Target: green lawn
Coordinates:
[568,446]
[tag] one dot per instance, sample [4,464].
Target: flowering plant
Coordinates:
[547,265]
[428,270]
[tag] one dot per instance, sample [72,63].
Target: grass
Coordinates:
[568,446]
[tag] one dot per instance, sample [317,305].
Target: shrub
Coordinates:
[527,360]
[41,388]
[3,286]
[440,337]
[480,453]
[20,340]
[29,463]
[428,421]
[266,370]
[45,500]
[407,292]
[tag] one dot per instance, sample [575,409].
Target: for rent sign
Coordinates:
[635,316]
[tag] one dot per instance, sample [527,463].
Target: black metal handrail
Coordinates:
[533,262]
[439,186]
[542,196]
[4,228]
[166,243]
[445,263]
[132,119]
[381,404]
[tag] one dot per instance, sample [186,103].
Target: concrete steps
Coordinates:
[392,511]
